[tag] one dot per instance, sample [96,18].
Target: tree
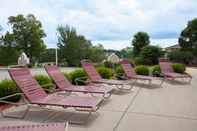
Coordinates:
[48,55]
[97,53]
[181,56]
[1,28]
[150,54]
[188,37]
[8,51]
[140,40]
[28,34]
[127,52]
[73,47]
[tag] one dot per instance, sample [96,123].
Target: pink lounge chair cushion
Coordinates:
[128,69]
[27,84]
[36,95]
[142,77]
[69,101]
[92,89]
[91,71]
[35,127]
[58,78]
[165,65]
[64,85]
[175,75]
[113,82]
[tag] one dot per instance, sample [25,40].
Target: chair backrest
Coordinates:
[58,78]
[90,70]
[128,69]
[165,65]
[35,127]
[27,84]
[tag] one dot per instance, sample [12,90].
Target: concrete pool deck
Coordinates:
[172,107]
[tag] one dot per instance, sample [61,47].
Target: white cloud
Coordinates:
[105,19]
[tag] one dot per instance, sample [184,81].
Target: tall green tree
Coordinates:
[188,37]
[28,34]
[8,50]
[48,55]
[97,53]
[73,47]
[140,40]
[127,52]
[150,54]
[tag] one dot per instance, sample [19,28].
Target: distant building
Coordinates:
[172,48]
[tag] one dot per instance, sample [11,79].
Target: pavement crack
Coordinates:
[126,110]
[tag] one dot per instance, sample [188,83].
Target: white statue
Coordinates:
[23,59]
[113,58]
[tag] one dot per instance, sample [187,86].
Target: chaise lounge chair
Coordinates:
[95,77]
[168,72]
[35,95]
[35,127]
[64,85]
[131,74]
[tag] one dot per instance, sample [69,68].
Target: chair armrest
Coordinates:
[49,90]
[82,79]
[13,103]
[188,74]
[121,76]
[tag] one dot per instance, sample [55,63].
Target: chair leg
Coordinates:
[162,81]
[81,122]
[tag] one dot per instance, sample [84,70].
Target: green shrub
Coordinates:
[105,73]
[181,56]
[178,68]
[109,64]
[150,54]
[138,61]
[67,76]
[119,72]
[156,70]
[76,74]
[142,70]
[8,87]
[44,81]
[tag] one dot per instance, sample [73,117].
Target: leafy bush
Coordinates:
[142,70]
[179,68]
[149,55]
[44,81]
[105,73]
[156,70]
[119,72]
[67,76]
[181,56]
[139,61]
[8,87]
[109,64]
[76,74]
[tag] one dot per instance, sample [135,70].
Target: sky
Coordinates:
[111,23]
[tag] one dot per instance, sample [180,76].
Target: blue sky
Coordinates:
[109,22]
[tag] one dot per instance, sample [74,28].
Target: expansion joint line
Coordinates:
[126,110]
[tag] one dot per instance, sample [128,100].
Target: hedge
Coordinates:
[142,70]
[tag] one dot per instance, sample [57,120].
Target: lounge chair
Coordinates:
[35,127]
[95,77]
[35,95]
[64,85]
[168,72]
[131,74]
